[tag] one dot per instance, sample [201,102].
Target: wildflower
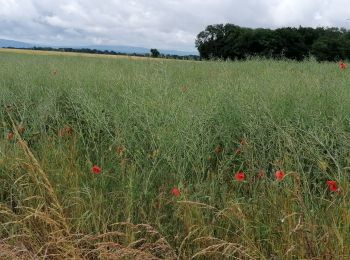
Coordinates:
[10,136]
[261,174]
[238,151]
[279,175]
[240,176]
[333,186]
[96,170]
[342,65]
[176,192]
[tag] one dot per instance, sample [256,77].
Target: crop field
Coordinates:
[161,159]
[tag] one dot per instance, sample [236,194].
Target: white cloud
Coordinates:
[171,24]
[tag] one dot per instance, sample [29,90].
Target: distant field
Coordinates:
[73,54]
[137,158]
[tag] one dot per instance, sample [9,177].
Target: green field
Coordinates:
[153,125]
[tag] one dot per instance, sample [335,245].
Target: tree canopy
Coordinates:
[155,53]
[230,41]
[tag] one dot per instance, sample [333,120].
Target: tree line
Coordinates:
[153,53]
[230,41]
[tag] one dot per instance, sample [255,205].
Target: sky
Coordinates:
[163,24]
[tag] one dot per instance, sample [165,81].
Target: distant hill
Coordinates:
[14,44]
[116,48]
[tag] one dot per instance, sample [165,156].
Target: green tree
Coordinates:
[155,53]
[230,41]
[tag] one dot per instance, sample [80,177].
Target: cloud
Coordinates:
[166,24]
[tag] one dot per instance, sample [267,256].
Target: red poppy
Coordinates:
[261,174]
[279,175]
[96,170]
[10,136]
[238,151]
[333,186]
[176,192]
[342,65]
[240,176]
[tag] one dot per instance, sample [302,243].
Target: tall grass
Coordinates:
[152,125]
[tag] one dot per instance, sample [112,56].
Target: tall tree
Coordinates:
[155,53]
[230,41]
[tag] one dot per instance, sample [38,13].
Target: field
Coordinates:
[138,159]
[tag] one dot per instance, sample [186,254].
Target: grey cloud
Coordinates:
[169,24]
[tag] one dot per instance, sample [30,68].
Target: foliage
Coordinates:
[233,42]
[106,52]
[155,53]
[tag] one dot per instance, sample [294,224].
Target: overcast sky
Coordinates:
[163,24]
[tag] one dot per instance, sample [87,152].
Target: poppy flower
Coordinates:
[10,136]
[238,151]
[333,186]
[279,175]
[176,192]
[96,170]
[240,176]
[342,65]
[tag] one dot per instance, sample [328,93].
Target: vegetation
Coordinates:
[163,159]
[155,53]
[230,41]
[106,52]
